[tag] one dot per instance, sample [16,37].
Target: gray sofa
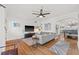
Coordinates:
[45,37]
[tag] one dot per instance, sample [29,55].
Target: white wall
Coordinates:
[61,21]
[16,32]
[2,30]
[23,15]
[53,24]
[19,32]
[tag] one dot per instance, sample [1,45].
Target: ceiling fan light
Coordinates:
[41,16]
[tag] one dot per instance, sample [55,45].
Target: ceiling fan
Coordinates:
[41,14]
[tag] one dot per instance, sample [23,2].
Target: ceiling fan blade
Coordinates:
[43,15]
[38,15]
[46,13]
[35,13]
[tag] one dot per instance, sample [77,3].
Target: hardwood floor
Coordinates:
[24,49]
[73,50]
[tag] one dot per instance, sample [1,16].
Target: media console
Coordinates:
[27,35]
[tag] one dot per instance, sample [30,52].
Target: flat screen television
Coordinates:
[29,28]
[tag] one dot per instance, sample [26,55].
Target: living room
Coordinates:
[38,29]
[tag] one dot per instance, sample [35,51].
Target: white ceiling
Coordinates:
[24,11]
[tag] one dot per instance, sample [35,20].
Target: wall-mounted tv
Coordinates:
[29,28]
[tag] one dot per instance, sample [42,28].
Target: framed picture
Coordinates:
[15,24]
[47,26]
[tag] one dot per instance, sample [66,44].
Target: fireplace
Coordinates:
[27,35]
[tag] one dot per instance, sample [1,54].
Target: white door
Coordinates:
[2,30]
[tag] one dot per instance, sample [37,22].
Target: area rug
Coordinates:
[10,52]
[60,48]
[28,41]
